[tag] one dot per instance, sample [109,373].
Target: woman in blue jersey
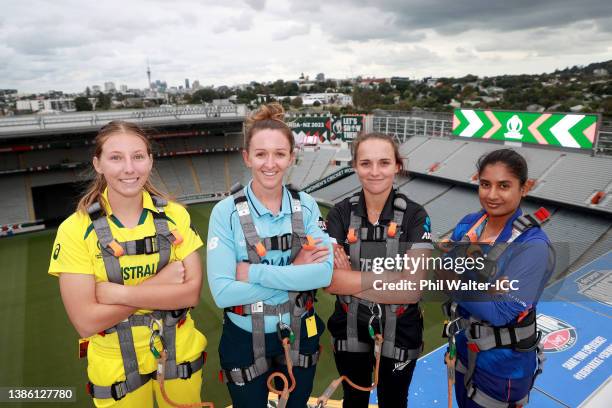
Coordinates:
[495,334]
[264,263]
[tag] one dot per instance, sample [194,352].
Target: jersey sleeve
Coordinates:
[335,226]
[191,238]
[70,253]
[221,265]
[299,277]
[418,230]
[530,266]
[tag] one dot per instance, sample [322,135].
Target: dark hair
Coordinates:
[270,116]
[513,160]
[362,137]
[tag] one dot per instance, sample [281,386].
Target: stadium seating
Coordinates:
[574,178]
[561,176]
[14,205]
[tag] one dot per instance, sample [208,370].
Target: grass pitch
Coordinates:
[38,345]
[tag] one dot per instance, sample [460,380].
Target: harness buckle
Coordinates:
[150,245]
[239,310]
[118,390]
[184,371]
[473,347]
[285,242]
[475,330]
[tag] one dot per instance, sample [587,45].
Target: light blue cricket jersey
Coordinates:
[270,280]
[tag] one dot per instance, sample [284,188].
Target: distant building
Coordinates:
[109,87]
[96,89]
[600,72]
[309,99]
[39,105]
[123,88]
[320,77]
[186,83]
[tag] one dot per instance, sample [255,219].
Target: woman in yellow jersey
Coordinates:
[127,267]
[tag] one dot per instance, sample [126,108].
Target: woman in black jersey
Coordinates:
[376,224]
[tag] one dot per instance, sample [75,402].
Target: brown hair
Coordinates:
[362,137]
[269,116]
[98,184]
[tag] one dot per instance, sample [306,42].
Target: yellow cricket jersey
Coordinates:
[77,250]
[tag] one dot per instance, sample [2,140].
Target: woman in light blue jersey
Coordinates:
[264,266]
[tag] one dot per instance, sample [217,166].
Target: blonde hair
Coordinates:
[269,116]
[95,189]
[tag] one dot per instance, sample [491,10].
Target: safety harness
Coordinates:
[387,236]
[296,306]
[112,250]
[521,336]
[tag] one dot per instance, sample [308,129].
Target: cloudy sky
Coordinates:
[70,44]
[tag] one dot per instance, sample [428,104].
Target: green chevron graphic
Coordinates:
[556,129]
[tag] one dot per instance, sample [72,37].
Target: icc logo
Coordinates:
[514,126]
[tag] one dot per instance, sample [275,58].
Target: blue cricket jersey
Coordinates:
[531,262]
[270,280]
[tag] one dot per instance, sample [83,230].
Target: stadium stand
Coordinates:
[55,156]
[553,170]
[575,178]
[47,178]
[9,161]
[428,155]
[169,176]
[319,166]
[303,166]
[422,191]
[239,173]
[14,204]
[447,209]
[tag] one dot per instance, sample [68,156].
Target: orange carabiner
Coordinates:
[260,249]
[351,236]
[310,244]
[117,249]
[392,229]
[178,239]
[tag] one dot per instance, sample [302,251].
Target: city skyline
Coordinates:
[66,46]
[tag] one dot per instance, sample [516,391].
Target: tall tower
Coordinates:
[149,74]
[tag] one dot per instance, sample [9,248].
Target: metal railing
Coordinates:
[97,119]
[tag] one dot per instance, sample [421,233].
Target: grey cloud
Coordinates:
[453,17]
[290,31]
[242,22]
[257,5]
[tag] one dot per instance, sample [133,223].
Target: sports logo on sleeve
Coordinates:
[213,243]
[56,251]
[426,229]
